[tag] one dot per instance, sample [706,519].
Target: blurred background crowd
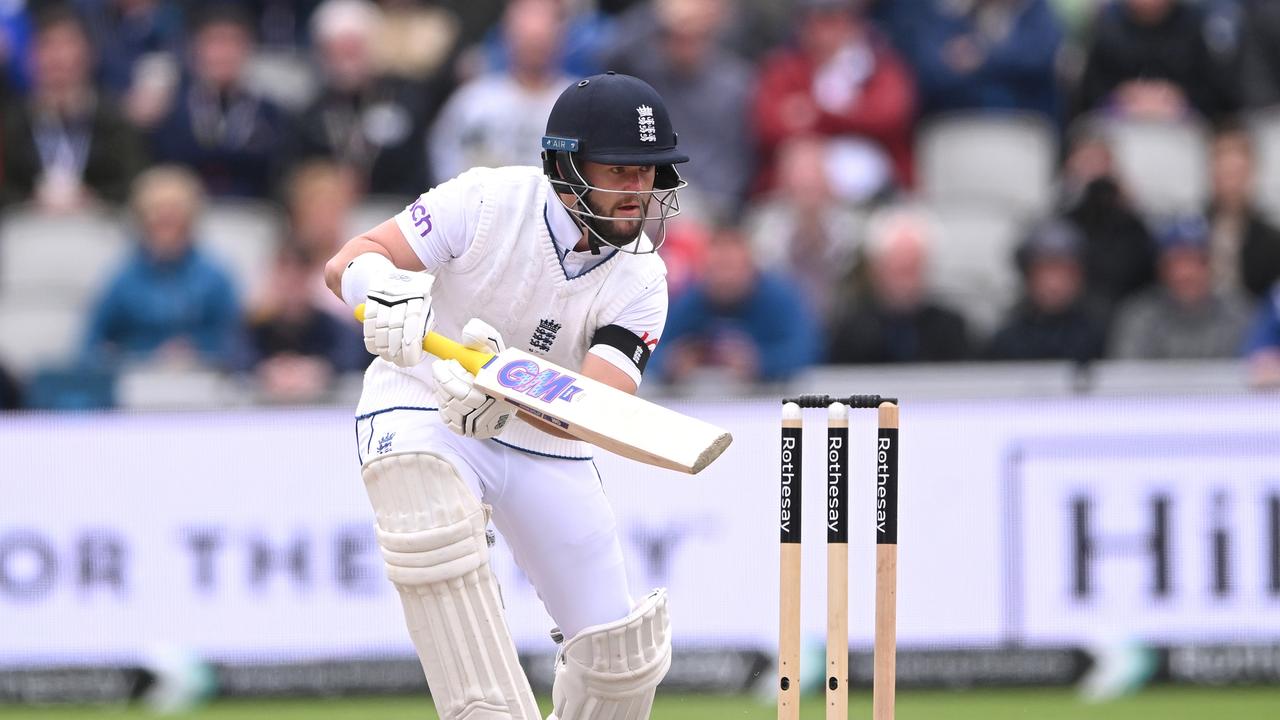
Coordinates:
[871,181]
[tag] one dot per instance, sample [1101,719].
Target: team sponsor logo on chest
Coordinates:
[528,377]
[544,335]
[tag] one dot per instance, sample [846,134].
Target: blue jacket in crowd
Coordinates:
[1265,333]
[149,303]
[1016,71]
[775,317]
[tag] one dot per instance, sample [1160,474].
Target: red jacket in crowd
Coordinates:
[882,111]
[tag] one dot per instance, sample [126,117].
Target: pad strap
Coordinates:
[611,671]
[431,529]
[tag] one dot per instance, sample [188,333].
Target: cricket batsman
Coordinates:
[556,261]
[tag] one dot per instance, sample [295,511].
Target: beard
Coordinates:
[617,233]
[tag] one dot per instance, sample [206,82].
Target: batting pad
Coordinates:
[432,532]
[610,671]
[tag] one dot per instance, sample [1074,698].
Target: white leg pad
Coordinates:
[610,671]
[432,532]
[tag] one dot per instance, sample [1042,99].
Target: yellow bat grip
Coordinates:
[446,349]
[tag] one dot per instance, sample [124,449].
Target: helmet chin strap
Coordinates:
[569,181]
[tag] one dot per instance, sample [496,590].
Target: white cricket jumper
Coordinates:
[498,242]
[512,277]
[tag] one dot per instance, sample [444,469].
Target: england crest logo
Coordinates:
[648,132]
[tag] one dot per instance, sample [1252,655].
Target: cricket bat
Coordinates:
[587,409]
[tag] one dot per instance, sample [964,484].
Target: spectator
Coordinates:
[753,29]
[130,35]
[1244,250]
[10,392]
[801,230]
[1184,317]
[67,146]
[15,42]
[1149,59]
[894,320]
[896,19]
[418,42]
[1055,319]
[370,123]
[320,197]
[218,126]
[280,24]
[1119,255]
[708,91]
[580,53]
[845,83]
[1260,54]
[684,252]
[168,303]
[498,119]
[1262,347]
[294,347]
[986,54]
[753,325]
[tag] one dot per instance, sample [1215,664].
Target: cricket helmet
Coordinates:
[613,119]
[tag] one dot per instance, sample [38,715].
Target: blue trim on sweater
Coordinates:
[397,407]
[546,206]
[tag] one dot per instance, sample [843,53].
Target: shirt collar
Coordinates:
[565,231]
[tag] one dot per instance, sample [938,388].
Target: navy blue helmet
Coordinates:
[613,119]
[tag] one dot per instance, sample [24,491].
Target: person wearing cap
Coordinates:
[1184,316]
[1056,319]
[557,261]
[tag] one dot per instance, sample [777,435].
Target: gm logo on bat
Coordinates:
[526,376]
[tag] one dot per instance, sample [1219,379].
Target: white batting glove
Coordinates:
[464,407]
[398,315]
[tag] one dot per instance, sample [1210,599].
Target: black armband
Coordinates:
[627,342]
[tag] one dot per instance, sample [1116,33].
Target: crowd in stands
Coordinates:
[820,225]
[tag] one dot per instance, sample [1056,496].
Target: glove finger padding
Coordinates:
[464,407]
[398,315]
[418,319]
[480,335]
[371,312]
[391,329]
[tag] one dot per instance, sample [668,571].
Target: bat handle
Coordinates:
[447,349]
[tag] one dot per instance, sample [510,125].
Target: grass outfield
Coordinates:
[1165,704]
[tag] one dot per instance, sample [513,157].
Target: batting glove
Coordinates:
[398,315]
[464,407]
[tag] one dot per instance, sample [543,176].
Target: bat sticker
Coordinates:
[527,377]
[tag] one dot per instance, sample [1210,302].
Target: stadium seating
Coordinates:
[286,77]
[972,262]
[67,257]
[1004,160]
[373,211]
[1164,165]
[159,388]
[51,269]
[39,331]
[242,236]
[1264,127]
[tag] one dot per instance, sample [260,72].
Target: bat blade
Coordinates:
[603,415]
[588,409]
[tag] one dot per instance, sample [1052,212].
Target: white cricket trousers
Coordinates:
[552,512]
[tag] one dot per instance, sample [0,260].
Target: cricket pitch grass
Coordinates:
[1261,703]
